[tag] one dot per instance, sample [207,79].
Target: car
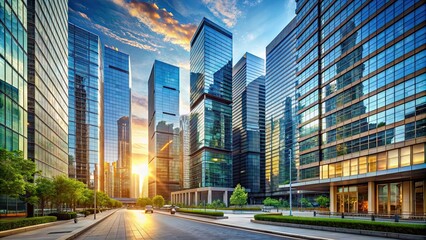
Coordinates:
[149,208]
[168,207]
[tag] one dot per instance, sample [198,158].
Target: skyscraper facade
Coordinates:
[163,130]
[185,148]
[248,123]
[117,104]
[124,167]
[13,86]
[84,68]
[361,79]
[211,110]
[48,85]
[281,108]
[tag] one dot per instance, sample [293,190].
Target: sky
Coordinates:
[162,30]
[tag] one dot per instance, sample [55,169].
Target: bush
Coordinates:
[8,224]
[92,210]
[64,215]
[406,228]
[201,212]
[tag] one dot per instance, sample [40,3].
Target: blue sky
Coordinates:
[149,30]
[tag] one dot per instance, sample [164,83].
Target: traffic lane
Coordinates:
[134,224]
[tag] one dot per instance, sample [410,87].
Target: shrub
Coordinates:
[64,215]
[347,223]
[92,210]
[201,212]
[8,224]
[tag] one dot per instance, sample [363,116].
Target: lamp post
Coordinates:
[291,153]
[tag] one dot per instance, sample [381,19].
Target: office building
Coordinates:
[361,93]
[117,104]
[211,116]
[13,89]
[84,74]
[281,108]
[124,167]
[185,151]
[48,86]
[163,130]
[248,123]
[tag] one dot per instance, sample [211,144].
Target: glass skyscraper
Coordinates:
[163,130]
[185,139]
[13,85]
[84,74]
[211,110]
[117,104]
[281,108]
[248,123]
[361,93]
[47,85]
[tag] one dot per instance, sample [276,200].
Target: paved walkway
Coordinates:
[243,220]
[62,231]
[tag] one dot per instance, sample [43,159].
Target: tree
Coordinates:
[16,174]
[158,201]
[44,192]
[142,202]
[305,202]
[271,202]
[239,196]
[217,204]
[323,201]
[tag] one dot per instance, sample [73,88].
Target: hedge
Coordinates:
[64,215]
[201,212]
[406,228]
[8,224]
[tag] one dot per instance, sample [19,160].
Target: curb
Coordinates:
[254,230]
[11,232]
[345,230]
[85,229]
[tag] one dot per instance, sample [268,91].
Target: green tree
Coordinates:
[142,202]
[16,174]
[217,204]
[101,199]
[271,202]
[305,202]
[323,201]
[239,196]
[44,192]
[158,201]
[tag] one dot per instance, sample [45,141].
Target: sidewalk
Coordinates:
[66,230]
[242,221]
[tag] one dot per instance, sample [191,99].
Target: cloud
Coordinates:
[139,121]
[160,21]
[252,3]
[83,15]
[227,10]
[140,100]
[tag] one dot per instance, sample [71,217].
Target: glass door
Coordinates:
[382,190]
[419,194]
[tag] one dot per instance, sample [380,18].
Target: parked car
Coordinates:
[168,207]
[149,208]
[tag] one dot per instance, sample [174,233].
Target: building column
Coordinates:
[333,201]
[196,198]
[209,196]
[189,199]
[371,197]
[406,199]
[225,198]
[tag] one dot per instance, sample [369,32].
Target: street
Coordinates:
[135,224]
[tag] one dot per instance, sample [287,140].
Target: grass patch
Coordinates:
[407,228]
[242,209]
[201,212]
[8,224]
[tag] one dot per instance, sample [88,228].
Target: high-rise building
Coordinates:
[361,93]
[109,178]
[47,85]
[248,123]
[116,102]
[124,167]
[211,110]
[185,151]
[84,74]
[163,130]
[13,86]
[281,109]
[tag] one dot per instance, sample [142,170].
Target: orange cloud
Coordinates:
[160,21]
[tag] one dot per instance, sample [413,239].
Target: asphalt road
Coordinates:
[134,224]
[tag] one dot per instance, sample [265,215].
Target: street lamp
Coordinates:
[291,153]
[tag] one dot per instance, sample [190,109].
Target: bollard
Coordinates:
[373,218]
[343,215]
[75,220]
[396,218]
[315,213]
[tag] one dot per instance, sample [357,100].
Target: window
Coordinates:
[372,167]
[362,165]
[393,159]
[381,161]
[405,156]
[418,154]
[346,168]
[354,167]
